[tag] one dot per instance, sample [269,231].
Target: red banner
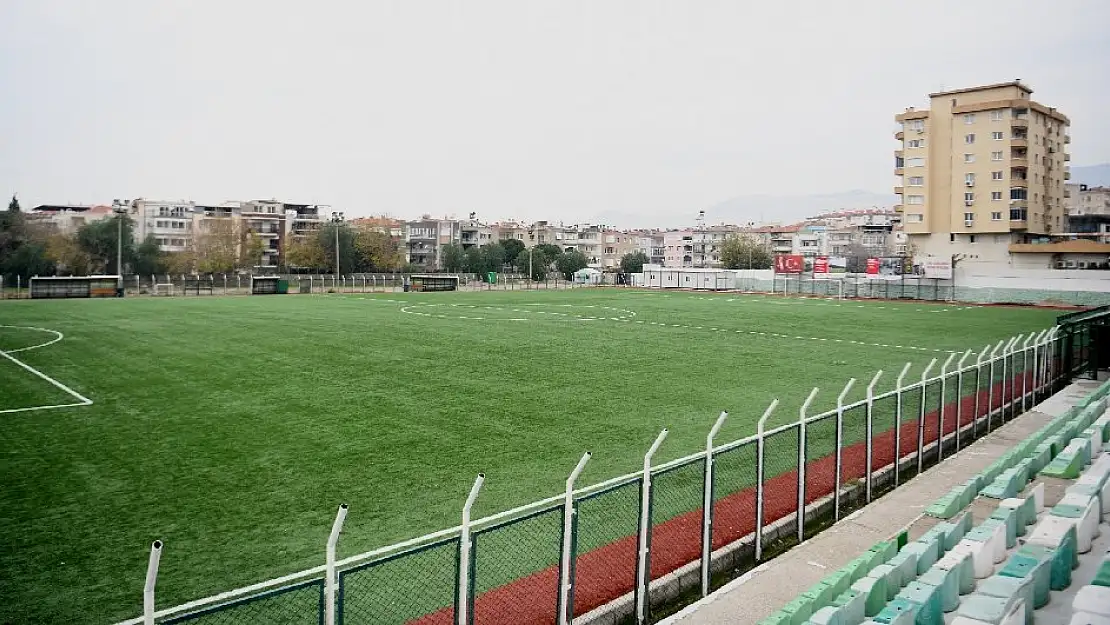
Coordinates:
[789,263]
[873,265]
[821,264]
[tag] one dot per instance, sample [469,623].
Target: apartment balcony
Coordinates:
[1067,193]
[898,171]
[1019,142]
[1019,183]
[898,190]
[1019,122]
[782,248]
[898,208]
[898,154]
[1067,139]
[1019,160]
[898,136]
[1019,224]
[1067,157]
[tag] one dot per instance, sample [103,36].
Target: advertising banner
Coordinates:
[790,263]
[939,267]
[821,264]
[873,265]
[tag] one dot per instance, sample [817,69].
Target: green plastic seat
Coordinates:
[928,600]
[1032,561]
[947,583]
[1010,588]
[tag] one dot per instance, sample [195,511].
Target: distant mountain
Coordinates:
[1092,175]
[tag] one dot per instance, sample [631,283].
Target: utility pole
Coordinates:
[337,219]
[119,207]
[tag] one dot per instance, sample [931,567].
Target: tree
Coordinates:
[634,262]
[177,262]
[540,262]
[550,251]
[377,251]
[13,206]
[28,260]
[67,255]
[253,248]
[217,246]
[570,262]
[148,257]
[513,248]
[99,239]
[454,257]
[305,253]
[739,252]
[493,257]
[348,255]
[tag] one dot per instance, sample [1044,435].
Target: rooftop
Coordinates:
[998,85]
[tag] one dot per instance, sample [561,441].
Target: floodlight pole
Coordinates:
[337,218]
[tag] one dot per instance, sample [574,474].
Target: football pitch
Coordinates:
[232,427]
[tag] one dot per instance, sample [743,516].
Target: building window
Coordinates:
[996,196]
[915,199]
[915,162]
[915,143]
[969,157]
[917,124]
[969,197]
[969,138]
[969,216]
[996,175]
[996,116]
[969,179]
[996,216]
[916,181]
[996,156]
[915,218]
[997,136]
[969,118]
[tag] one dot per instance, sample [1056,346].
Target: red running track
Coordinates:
[608,572]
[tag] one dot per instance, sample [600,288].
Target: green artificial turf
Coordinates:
[232,427]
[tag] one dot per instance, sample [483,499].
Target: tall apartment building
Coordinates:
[982,169]
[169,222]
[1089,213]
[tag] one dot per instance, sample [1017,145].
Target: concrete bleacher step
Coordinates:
[995,610]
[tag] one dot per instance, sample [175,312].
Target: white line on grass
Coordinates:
[81,399]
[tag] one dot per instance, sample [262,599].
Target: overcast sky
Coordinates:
[515,108]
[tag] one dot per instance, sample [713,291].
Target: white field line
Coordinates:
[627,319]
[81,399]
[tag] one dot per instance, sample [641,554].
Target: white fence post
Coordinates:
[1025,369]
[960,397]
[151,580]
[898,386]
[1037,342]
[940,409]
[870,429]
[329,559]
[707,504]
[643,571]
[990,387]
[979,360]
[801,514]
[464,552]
[840,445]
[759,478]
[921,416]
[566,610]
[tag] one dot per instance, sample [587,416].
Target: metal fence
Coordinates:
[177,285]
[639,543]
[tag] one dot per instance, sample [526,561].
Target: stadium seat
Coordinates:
[1010,588]
[1032,561]
[1093,600]
[1084,511]
[996,610]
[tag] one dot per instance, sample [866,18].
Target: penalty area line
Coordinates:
[81,399]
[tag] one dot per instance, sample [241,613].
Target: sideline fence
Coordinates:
[178,285]
[633,542]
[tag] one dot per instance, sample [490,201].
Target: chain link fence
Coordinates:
[513,566]
[299,604]
[414,586]
[516,569]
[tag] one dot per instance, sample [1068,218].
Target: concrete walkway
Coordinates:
[765,589]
